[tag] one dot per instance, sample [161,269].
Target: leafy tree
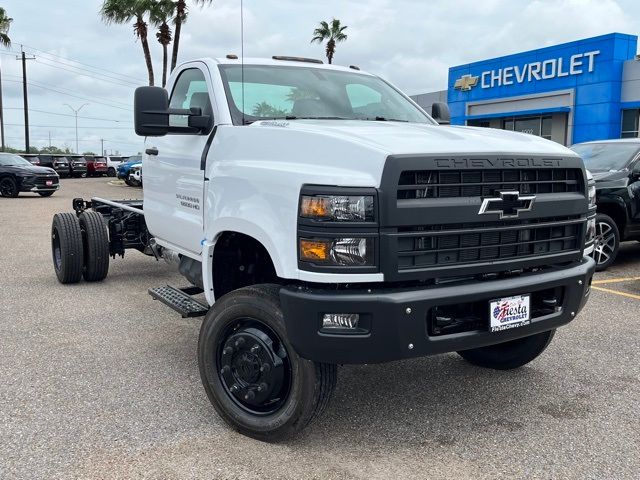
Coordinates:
[179,18]
[124,11]
[333,33]
[89,153]
[264,109]
[5,23]
[161,13]
[297,93]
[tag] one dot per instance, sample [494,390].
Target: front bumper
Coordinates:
[39,185]
[397,318]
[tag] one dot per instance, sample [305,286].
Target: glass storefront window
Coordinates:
[630,123]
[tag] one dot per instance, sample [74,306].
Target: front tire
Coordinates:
[111,172]
[66,247]
[509,355]
[9,187]
[95,242]
[252,375]
[46,194]
[607,242]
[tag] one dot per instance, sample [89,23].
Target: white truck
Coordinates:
[327,219]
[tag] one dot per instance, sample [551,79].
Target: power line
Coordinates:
[38,84]
[71,95]
[69,115]
[100,69]
[102,79]
[68,126]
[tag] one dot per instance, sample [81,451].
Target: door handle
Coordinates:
[151,151]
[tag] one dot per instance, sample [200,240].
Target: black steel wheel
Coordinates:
[509,355]
[95,241]
[252,375]
[9,187]
[66,247]
[606,242]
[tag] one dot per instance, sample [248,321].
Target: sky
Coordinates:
[79,59]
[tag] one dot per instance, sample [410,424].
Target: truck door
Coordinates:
[172,177]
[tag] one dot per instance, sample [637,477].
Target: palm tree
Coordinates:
[5,23]
[161,12]
[333,33]
[178,20]
[124,11]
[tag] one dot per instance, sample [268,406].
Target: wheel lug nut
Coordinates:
[234,388]
[262,387]
[265,367]
[227,350]
[239,342]
[250,395]
[225,369]
[255,348]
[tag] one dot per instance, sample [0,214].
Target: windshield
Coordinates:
[281,92]
[9,159]
[604,157]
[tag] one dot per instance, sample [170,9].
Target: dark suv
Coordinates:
[19,175]
[615,166]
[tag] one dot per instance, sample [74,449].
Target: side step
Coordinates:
[180,300]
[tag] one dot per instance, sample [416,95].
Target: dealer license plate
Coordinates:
[49,183]
[509,312]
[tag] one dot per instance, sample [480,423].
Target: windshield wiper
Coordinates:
[293,117]
[385,119]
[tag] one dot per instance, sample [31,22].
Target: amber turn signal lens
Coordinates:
[313,250]
[314,207]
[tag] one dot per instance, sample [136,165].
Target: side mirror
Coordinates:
[635,171]
[440,113]
[150,111]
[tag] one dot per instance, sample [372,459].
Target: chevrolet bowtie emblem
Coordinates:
[466,82]
[507,205]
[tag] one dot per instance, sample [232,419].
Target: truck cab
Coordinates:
[327,219]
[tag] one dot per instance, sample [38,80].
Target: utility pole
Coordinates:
[49,138]
[102,146]
[75,111]
[24,59]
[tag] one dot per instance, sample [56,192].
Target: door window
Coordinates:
[190,90]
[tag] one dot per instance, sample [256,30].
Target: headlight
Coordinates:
[592,195]
[338,208]
[344,252]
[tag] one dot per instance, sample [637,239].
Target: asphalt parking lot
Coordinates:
[100,381]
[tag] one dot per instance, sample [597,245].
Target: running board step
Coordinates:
[180,300]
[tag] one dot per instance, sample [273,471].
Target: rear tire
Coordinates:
[95,242]
[607,242]
[252,375]
[9,187]
[46,194]
[66,247]
[509,355]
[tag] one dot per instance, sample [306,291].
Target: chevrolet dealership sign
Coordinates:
[517,74]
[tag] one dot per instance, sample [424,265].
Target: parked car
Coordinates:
[77,166]
[125,167]
[32,158]
[19,175]
[135,176]
[96,166]
[615,166]
[59,164]
[113,162]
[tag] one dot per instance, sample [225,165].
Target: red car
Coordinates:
[96,166]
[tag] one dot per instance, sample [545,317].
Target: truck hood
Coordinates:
[395,138]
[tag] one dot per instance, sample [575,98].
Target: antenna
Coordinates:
[242,55]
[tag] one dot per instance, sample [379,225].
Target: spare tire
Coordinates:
[66,247]
[96,246]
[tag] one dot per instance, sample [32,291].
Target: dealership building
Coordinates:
[574,92]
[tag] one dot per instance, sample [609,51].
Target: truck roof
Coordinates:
[288,61]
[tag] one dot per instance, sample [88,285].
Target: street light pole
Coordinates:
[75,111]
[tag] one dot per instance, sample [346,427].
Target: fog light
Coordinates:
[340,320]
